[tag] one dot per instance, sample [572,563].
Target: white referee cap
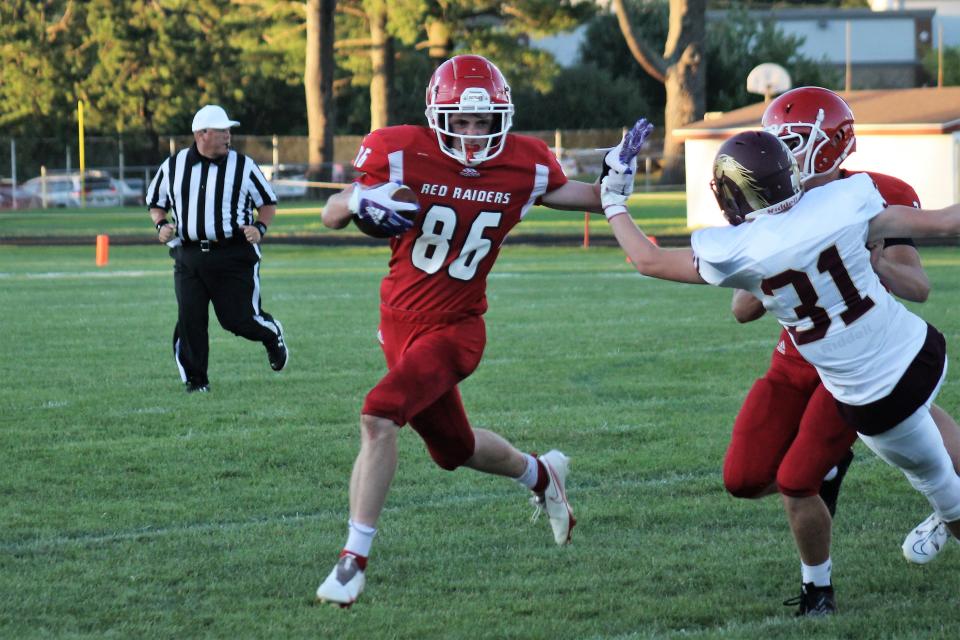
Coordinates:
[212,116]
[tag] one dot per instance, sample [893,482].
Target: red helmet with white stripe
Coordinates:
[816,124]
[469,84]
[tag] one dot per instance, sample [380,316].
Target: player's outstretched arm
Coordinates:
[651,260]
[615,183]
[574,196]
[336,213]
[898,221]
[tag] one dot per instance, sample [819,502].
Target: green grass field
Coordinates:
[132,510]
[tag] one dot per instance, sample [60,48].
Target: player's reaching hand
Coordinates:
[378,206]
[620,168]
[631,144]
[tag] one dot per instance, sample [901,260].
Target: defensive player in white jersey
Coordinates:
[805,257]
[818,126]
[788,430]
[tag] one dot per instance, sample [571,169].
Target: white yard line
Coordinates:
[79,275]
[148,532]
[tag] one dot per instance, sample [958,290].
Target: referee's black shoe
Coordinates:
[277,351]
[197,387]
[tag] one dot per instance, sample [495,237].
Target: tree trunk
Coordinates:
[680,70]
[440,41]
[318,84]
[685,82]
[380,81]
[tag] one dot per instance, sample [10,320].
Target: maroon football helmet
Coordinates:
[469,84]
[816,124]
[755,173]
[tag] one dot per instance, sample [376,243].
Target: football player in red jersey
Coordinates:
[789,432]
[475,181]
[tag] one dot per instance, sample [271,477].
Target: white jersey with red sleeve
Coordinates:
[442,263]
[810,267]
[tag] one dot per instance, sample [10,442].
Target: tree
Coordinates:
[139,67]
[452,23]
[155,64]
[370,29]
[492,28]
[582,97]
[733,46]
[614,56]
[739,42]
[951,65]
[37,59]
[680,69]
[318,83]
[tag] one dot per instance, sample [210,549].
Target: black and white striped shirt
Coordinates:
[210,199]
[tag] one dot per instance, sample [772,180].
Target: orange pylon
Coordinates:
[103,250]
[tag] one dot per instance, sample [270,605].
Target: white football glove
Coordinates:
[376,204]
[620,167]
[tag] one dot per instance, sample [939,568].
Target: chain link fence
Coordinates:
[132,161]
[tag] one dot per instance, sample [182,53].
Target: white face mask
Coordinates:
[806,140]
[472,149]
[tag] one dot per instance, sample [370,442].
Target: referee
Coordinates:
[211,191]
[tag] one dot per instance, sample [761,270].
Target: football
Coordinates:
[402,194]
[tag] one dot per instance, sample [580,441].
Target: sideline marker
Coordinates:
[103,250]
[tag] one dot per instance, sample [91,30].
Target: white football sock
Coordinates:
[819,575]
[529,477]
[359,539]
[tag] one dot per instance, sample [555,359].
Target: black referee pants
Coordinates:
[229,276]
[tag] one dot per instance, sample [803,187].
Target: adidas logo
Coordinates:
[470,172]
[782,348]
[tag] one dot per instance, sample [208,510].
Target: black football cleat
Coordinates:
[197,387]
[277,352]
[814,601]
[830,489]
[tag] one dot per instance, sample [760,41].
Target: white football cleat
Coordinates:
[554,498]
[926,541]
[344,584]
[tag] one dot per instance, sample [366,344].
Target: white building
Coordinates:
[947,16]
[884,48]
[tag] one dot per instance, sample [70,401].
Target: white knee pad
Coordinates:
[915,447]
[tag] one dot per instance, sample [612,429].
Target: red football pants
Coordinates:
[788,431]
[427,355]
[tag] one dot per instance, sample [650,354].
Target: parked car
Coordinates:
[131,190]
[96,189]
[289,183]
[11,198]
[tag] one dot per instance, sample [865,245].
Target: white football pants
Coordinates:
[915,447]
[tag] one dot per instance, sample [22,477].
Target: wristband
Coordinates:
[262,228]
[613,211]
[162,224]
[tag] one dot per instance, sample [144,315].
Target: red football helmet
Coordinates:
[816,124]
[469,84]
